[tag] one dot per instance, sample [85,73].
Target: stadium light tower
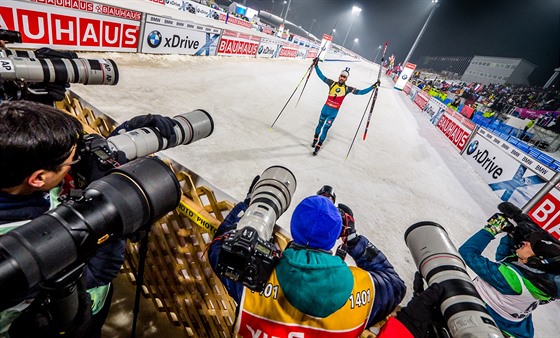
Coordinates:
[435,5]
[354,44]
[355,10]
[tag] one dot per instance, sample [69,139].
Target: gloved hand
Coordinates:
[163,124]
[348,224]
[250,192]
[417,315]
[47,53]
[511,211]
[315,61]
[377,84]
[498,223]
[55,91]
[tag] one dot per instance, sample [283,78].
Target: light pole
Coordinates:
[434,6]
[378,50]
[354,44]
[355,10]
[312,25]
[287,10]
[283,6]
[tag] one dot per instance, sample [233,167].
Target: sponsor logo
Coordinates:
[484,160]
[154,39]
[404,77]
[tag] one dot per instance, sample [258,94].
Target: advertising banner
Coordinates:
[433,106]
[312,53]
[289,50]
[454,131]
[238,44]
[407,87]
[512,180]
[64,27]
[421,99]
[532,114]
[235,21]
[194,8]
[546,213]
[268,49]
[301,53]
[413,91]
[167,36]
[325,46]
[405,75]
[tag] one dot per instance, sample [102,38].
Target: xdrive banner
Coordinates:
[168,36]
[509,177]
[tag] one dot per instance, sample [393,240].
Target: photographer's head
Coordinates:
[316,223]
[37,146]
[540,251]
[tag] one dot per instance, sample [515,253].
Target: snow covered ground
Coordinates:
[406,171]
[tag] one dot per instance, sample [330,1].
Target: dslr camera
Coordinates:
[248,254]
[99,154]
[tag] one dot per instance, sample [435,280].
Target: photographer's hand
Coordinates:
[348,223]
[416,316]
[163,124]
[498,223]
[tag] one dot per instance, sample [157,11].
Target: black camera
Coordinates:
[99,154]
[127,200]
[10,36]
[248,258]
[248,254]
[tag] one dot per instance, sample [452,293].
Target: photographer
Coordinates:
[526,272]
[313,291]
[38,147]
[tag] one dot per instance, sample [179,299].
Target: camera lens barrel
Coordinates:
[438,261]
[130,197]
[46,70]
[190,127]
[270,198]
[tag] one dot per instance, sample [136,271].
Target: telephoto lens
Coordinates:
[60,70]
[248,254]
[438,261]
[189,127]
[129,198]
[10,36]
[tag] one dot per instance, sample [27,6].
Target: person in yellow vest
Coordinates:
[311,292]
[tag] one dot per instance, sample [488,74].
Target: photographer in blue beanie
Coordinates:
[312,291]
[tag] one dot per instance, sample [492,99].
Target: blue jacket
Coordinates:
[544,287]
[327,274]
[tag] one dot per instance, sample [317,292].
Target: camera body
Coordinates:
[248,254]
[247,258]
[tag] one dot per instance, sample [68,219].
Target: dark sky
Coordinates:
[528,29]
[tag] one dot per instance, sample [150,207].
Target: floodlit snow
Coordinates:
[406,171]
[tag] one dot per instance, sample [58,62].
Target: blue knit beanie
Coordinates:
[316,223]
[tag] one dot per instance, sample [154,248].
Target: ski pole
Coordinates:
[358,129]
[307,71]
[376,91]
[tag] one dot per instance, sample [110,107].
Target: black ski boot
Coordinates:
[317,148]
[315,139]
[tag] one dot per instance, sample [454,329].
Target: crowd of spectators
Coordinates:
[497,96]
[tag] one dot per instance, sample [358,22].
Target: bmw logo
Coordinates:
[404,77]
[154,39]
[472,147]
[337,90]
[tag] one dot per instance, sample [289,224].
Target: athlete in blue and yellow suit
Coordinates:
[337,93]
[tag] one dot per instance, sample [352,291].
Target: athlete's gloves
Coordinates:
[417,315]
[498,223]
[377,84]
[315,61]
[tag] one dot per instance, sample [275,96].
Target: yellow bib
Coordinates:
[269,314]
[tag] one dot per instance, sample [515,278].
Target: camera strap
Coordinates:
[143,251]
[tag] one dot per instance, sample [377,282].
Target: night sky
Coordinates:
[528,29]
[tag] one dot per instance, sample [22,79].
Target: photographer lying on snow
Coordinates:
[38,147]
[526,272]
[312,290]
